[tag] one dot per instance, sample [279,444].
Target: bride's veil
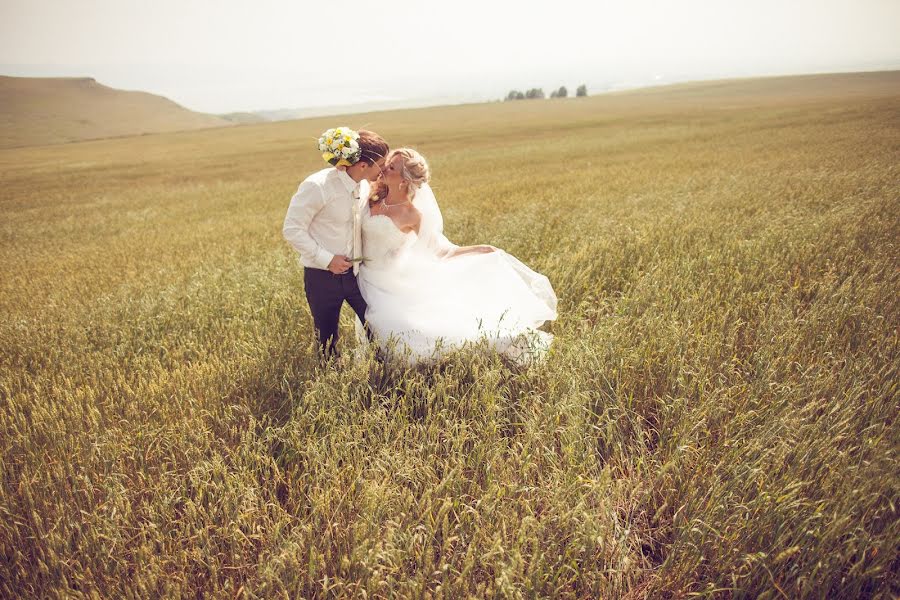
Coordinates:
[431,239]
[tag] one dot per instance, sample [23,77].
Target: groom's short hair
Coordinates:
[373,146]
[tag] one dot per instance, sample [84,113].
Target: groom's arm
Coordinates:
[305,205]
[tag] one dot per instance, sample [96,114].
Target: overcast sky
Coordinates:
[222,55]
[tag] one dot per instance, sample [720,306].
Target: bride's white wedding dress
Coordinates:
[422,305]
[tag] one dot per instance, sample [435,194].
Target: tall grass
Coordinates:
[716,417]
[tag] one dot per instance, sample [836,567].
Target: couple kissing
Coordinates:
[369,232]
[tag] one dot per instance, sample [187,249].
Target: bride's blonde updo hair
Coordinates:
[413,169]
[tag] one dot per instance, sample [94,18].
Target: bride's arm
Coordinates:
[461,250]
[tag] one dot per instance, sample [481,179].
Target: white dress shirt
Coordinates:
[323,218]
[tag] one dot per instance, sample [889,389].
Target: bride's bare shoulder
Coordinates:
[411,218]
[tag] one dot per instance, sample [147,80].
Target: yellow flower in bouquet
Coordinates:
[340,146]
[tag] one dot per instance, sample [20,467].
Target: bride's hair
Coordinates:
[414,170]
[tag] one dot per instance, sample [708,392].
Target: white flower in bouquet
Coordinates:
[340,146]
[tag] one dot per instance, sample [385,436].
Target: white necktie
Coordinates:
[355,249]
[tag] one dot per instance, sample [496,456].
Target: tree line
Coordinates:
[562,92]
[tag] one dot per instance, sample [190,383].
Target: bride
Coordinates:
[427,296]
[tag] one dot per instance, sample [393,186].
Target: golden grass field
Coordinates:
[717,417]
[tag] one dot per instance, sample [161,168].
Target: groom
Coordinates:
[322,224]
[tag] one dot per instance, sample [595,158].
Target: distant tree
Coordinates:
[562,92]
[581,91]
[534,93]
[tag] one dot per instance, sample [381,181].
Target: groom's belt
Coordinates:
[347,272]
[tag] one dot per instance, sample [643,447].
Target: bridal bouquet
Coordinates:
[340,146]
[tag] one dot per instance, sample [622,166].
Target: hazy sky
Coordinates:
[219,56]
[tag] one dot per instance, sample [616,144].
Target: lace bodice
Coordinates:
[383,243]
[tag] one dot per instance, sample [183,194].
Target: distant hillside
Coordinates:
[36,111]
[758,91]
[720,94]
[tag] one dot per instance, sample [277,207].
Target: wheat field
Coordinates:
[716,418]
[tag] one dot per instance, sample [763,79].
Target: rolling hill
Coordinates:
[38,111]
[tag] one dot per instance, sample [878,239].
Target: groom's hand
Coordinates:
[339,264]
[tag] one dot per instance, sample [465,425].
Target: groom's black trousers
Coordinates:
[326,293]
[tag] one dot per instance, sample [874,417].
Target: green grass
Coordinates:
[717,417]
